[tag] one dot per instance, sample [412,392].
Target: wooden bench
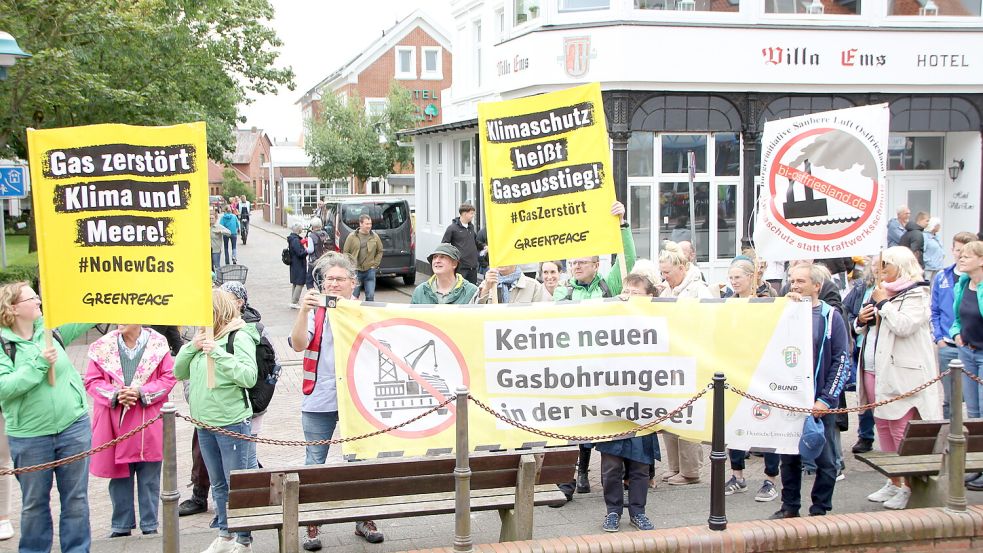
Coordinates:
[921,458]
[287,498]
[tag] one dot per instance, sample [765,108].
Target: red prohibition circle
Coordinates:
[781,219]
[350,372]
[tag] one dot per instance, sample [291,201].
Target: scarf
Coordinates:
[234,324]
[897,286]
[507,282]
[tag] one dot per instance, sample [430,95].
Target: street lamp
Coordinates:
[9,52]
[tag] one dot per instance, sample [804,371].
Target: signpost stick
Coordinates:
[48,344]
[210,335]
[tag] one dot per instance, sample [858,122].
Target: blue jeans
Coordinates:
[147,477]
[822,489]
[366,281]
[223,455]
[216,261]
[865,428]
[947,354]
[318,426]
[737,457]
[972,392]
[235,252]
[36,530]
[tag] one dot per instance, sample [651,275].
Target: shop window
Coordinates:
[640,215]
[583,5]
[525,11]
[813,7]
[915,153]
[674,205]
[675,152]
[464,164]
[640,154]
[970,8]
[405,62]
[689,5]
[727,222]
[727,152]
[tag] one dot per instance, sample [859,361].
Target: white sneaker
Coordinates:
[6,530]
[900,499]
[222,545]
[887,492]
[243,548]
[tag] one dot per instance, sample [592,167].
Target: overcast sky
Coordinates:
[318,37]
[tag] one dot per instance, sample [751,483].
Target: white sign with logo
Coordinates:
[824,185]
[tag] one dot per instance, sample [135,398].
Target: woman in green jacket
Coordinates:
[44,422]
[225,406]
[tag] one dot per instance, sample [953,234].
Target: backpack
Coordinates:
[322,243]
[268,371]
[602,284]
[10,348]
[285,256]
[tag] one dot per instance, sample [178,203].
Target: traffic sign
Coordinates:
[13,182]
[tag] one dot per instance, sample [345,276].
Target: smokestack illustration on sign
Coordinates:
[394,394]
[809,206]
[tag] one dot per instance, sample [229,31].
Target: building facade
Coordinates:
[414,53]
[250,156]
[704,76]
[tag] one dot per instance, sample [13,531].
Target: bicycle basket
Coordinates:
[228,273]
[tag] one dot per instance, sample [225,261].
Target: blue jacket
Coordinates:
[895,230]
[833,358]
[230,222]
[943,287]
[934,255]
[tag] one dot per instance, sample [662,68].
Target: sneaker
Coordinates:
[680,480]
[312,541]
[611,523]
[368,530]
[863,445]
[734,485]
[840,475]
[120,534]
[221,545]
[192,506]
[783,514]
[768,492]
[970,476]
[243,548]
[642,522]
[293,305]
[900,499]
[6,530]
[887,492]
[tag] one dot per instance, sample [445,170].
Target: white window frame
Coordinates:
[562,9]
[477,33]
[405,75]
[438,73]
[501,23]
[370,101]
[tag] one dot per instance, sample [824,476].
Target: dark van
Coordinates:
[391,220]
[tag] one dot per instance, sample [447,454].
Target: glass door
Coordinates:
[920,192]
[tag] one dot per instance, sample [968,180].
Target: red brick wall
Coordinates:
[254,169]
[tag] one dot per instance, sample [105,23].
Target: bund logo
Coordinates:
[776,387]
[760,411]
[791,355]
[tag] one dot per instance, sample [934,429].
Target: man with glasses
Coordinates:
[585,283]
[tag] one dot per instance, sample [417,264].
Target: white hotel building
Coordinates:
[705,75]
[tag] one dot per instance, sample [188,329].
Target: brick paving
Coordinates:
[668,506]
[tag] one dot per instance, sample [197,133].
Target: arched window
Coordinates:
[794,106]
[686,113]
[933,113]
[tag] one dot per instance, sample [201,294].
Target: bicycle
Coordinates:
[244,228]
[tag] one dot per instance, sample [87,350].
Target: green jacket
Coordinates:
[224,404]
[31,407]
[462,292]
[613,278]
[957,298]
[373,251]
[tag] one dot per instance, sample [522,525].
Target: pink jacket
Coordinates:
[103,378]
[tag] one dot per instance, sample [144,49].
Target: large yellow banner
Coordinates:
[548,183]
[122,219]
[582,369]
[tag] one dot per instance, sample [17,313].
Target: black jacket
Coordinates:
[298,260]
[913,239]
[465,240]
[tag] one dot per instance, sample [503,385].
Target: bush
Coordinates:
[17,273]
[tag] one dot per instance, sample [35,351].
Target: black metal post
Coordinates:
[718,457]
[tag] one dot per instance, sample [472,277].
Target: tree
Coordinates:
[344,141]
[233,186]
[141,62]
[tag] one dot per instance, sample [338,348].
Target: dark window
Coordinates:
[385,215]
[794,106]
[686,113]
[933,113]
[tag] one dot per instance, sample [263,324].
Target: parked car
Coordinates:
[216,202]
[391,220]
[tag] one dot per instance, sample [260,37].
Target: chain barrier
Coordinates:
[972,376]
[299,443]
[601,438]
[79,456]
[839,410]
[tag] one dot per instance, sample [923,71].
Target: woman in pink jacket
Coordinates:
[129,376]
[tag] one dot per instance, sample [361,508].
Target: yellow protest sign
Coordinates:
[582,369]
[122,219]
[548,182]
